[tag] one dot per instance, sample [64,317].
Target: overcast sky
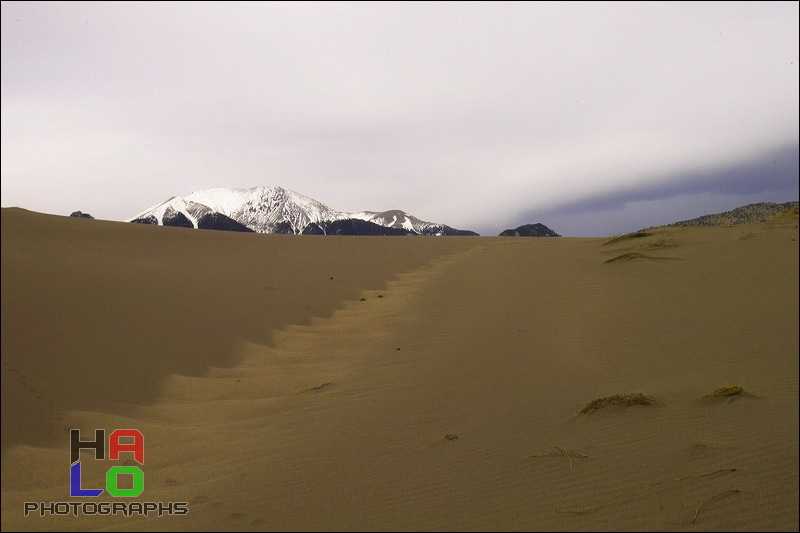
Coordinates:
[592,118]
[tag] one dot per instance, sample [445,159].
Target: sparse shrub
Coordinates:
[729,391]
[623,400]
[659,243]
[627,256]
[632,235]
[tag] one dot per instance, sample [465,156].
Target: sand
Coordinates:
[403,383]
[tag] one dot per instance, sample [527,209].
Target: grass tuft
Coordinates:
[562,452]
[729,391]
[632,235]
[627,256]
[712,498]
[618,399]
[309,389]
[660,243]
[656,484]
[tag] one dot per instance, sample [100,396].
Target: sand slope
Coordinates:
[273,397]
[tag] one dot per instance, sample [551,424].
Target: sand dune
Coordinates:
[404,383]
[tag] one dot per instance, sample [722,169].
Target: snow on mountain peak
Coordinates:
[273,210]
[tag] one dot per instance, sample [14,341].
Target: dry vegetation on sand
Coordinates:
[622,400]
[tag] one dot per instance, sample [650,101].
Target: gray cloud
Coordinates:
[774,171]
[771,177]
[464,113]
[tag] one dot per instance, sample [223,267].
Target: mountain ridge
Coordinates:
[277,210]
[746,214]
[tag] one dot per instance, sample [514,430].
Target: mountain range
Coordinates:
[279,210]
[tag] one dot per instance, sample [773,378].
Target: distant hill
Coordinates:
[530,230]
[748,214]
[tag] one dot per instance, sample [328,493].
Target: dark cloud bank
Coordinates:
[772,177]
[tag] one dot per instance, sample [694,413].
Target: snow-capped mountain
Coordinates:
[262,209]
[274,210]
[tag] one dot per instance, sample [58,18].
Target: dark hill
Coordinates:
[530,230]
